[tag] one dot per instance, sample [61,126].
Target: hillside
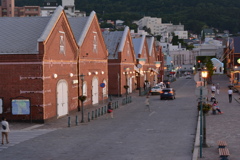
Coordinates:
[194,14]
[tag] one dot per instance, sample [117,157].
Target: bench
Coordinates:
[222,144]
[224,153]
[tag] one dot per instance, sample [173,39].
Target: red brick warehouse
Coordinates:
[38,67]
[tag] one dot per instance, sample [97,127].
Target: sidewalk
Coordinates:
[63,122]
[223,126]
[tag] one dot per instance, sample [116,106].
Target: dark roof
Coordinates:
[236,44]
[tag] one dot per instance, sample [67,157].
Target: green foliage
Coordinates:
[175,40]
[189,47]
[106,25]
[209,66]
[194,14]
[82,98]
[205,107]
[158,37]
[148,30]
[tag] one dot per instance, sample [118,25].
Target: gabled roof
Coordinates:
[150,42]
[80,26]
[20,35]
[138,44]
[208,30]
[115,42]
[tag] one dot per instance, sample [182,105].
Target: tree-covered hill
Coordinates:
[194,14]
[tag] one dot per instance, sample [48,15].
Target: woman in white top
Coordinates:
[5,129]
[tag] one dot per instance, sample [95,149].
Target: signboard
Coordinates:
[20,106]
[102,85]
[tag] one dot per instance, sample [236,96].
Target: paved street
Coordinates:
[166,133]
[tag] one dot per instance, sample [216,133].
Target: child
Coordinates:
[147,103]
[216,107]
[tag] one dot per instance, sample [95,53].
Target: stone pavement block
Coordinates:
[223,126]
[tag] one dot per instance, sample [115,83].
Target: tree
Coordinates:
[210,67]
[148,30]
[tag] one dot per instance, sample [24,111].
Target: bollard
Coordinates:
[76,120]
[89,117]
[96,113]
[69,121]
[92,115]
[102,111]
[105,109]
[99,112]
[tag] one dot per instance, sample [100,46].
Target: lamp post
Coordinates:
[82,79]
[126,86]
[204,76]
[141,61]
[157,65]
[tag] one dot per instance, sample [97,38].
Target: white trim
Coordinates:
[124,37]
[86,27]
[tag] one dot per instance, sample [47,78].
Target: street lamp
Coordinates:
[204,74]
[141,62]
[157,64]
[82,79]
[126,86]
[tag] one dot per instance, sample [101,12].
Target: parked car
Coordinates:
[167,93]
[158,88]
[188,76]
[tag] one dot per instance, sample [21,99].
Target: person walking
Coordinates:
[110,110]
[213,88]
[5,130]
[218,88]
[147,102]
[230,92]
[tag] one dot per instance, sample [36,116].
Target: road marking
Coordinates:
[152,113]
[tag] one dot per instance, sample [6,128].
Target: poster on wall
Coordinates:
[20,106]
[1,105]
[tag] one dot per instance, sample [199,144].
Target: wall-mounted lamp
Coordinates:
[102,72]
[96,73]
[89,73]
[71,74]
[141,61]
[157,64]
[55,75]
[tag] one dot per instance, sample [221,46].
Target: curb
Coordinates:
[197,140]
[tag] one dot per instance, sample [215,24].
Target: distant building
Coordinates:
[49,7]
[208,33]
[119,24]
[166,30]
[8,9]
